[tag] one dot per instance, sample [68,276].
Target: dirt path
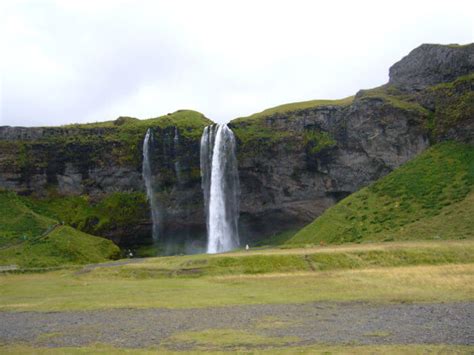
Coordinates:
[330,323]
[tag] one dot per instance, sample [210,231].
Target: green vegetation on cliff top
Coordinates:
[256,134]
[391,96]
[189,122]
[430,197]
[120,140]
[296,106]
[452,103]
[257,130]
[128,133]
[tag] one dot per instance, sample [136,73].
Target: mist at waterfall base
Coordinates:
[220,185]
[165,239]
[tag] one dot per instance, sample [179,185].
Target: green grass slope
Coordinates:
[430,197]
[63,246]
[29,239]
[18,222]
[117,210]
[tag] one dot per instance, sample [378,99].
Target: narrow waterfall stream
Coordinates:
[147,174]
[220,185]
[177,164]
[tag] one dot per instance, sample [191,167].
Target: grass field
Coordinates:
[315,349]
[376,274]
[402,272]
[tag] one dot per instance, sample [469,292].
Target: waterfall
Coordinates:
[220,185]
[147,173]
[177,165]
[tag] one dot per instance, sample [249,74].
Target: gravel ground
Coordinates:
[329,323]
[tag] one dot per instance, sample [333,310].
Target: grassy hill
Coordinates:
[18,222]
[430,197]
[29,239]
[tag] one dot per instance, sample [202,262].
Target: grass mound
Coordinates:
[31,240]
[63,246]
[116,210]
[430,197]
[18,222]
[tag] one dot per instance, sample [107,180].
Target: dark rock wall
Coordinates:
[54,162]
[287,185]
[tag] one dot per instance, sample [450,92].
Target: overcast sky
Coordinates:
[71,61]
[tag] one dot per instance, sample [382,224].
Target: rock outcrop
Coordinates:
[432,64]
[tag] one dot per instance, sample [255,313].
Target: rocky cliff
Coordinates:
[294,160]
[90,175]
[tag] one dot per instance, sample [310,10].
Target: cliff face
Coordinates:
[323,154]
[297,160]
[294,161]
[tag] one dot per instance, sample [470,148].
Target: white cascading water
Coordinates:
[220,184]
[177,165]
[149,182]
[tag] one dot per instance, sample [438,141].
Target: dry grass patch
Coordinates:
[59,291]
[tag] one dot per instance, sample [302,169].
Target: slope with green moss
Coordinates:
[430,197]
[17,221]
[454,108]
[62,246]
[116,211]
[29,239]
